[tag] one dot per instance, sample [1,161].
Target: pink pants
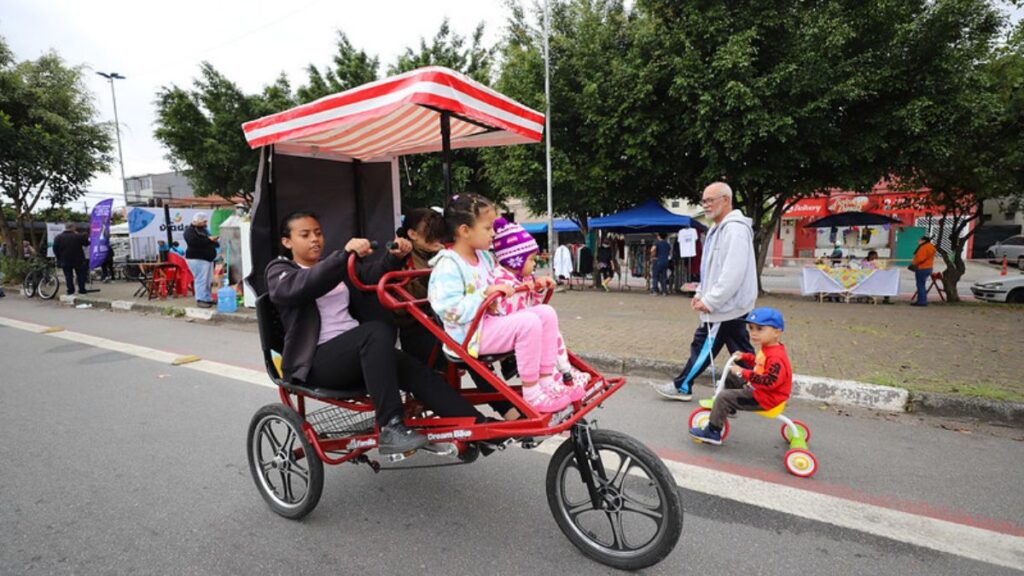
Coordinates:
[532,333]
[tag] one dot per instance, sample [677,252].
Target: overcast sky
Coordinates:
[155,44]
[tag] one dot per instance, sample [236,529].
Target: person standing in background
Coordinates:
[201,252]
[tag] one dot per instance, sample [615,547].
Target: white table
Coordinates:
[875,283]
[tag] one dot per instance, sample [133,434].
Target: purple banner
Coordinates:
[99,233]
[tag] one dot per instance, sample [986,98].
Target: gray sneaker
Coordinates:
[397,438]
[670,391]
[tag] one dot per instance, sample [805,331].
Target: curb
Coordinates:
[812,388]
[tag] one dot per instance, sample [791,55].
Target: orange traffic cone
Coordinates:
[1003,271]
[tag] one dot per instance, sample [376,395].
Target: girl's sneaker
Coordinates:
[571,388]
[544,400]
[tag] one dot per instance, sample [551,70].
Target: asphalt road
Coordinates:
[116,464]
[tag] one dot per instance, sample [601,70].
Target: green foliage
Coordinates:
[51,143]
[606,130]
[201,129]
[13,269]
[422,176]
[352,68]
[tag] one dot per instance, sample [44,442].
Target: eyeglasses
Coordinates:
[710,201]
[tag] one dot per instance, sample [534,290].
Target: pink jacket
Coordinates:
[519,300]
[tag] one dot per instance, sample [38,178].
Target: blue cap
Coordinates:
[766,317]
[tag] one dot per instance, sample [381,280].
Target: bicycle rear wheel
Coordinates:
[49,285]
[28,285]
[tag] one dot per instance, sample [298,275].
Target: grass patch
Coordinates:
[871,330]
[988,392]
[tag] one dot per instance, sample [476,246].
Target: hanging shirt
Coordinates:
[687,243]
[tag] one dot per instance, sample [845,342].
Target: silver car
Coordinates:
[1012,249]
[1002,289]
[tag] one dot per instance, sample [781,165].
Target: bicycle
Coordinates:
[41,279]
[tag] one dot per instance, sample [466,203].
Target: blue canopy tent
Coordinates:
[650,216]
[561,225]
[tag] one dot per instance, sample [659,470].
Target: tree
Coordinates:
[605,134]
[201,129]
[352,68]
[966,135]
[423,183]
[51,143]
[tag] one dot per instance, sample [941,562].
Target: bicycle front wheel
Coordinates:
[49,286]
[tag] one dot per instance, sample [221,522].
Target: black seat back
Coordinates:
[271,333]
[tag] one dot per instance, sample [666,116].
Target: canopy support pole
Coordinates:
[446,154]
[275,247]
[357,188]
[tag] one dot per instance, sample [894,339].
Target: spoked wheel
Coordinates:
[28,285]
[634,517]
[287,472]
[700,417]
[49,286]
[787,434]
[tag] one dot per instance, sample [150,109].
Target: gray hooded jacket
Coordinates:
[728,280]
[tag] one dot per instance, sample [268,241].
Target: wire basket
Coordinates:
[334,421]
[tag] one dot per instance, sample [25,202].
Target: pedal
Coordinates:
[498,445]
[394,458]
[442,449]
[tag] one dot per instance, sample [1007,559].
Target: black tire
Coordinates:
[49,285]
[614,447]
[274,473]
[1016,296]
[1020,263]
[28,284]
[991,257]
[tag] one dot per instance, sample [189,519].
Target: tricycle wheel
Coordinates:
[287,472]
[639,515]
[805,432]
[801,463]
[699,419]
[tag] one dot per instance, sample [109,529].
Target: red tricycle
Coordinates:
[610,495]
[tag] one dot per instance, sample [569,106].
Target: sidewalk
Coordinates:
[954,360]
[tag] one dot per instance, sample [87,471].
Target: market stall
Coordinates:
[850,277]
[639,225]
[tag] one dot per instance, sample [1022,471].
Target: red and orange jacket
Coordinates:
[772,376]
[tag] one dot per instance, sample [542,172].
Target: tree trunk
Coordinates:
[762,240]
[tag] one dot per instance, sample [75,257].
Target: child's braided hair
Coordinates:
[465,209]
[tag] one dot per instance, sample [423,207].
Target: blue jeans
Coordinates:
[202,270]
[659,278]
[921,276]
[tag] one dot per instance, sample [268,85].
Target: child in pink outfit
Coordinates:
[463,278]
[516,251]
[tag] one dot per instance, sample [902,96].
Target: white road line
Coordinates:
[949,537]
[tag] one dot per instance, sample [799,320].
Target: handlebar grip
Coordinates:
[391,245]
[374,244]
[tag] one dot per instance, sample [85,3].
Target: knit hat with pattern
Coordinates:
[512,244]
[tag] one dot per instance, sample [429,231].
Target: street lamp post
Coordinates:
[547,132]
[117,127]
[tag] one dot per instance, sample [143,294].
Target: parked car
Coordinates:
[1001,289]
[1012,248]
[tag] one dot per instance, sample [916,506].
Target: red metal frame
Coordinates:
[393,296]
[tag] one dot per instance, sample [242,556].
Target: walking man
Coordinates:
[727,292]
[69,249]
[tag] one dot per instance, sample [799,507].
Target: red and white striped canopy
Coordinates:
[399,115]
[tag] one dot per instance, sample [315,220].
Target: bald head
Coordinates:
[717,201]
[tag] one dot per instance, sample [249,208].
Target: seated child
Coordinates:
[463,277]
[763,388]
[516,251]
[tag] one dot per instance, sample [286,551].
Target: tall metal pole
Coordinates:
[117,128]
[547,130]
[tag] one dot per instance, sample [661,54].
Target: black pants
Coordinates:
[732,334]
[108,270]
[419,343]
[366,357]
[81,270]
[659,278]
